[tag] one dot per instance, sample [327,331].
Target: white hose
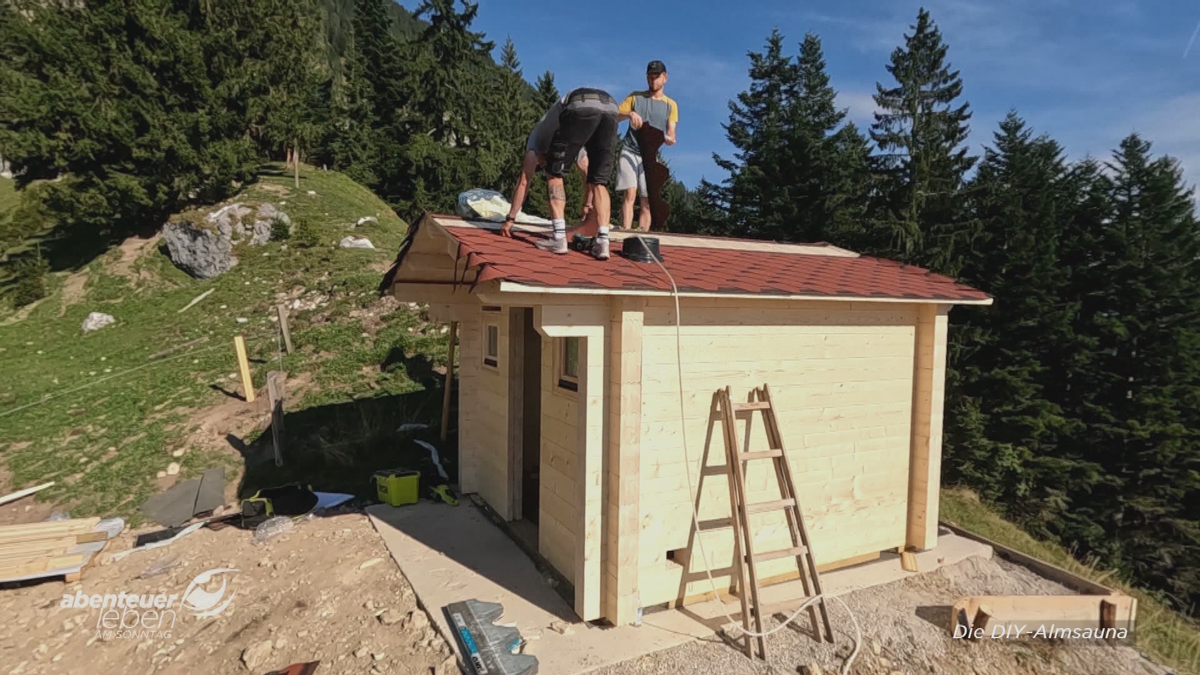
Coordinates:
[733,627]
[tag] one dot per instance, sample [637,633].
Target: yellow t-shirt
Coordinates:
[657,112]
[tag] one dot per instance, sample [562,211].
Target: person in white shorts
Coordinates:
[651,107]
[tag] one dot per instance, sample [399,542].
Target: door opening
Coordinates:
[526,385]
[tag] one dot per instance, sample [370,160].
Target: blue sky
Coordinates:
[1086,72]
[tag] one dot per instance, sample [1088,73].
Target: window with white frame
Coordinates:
[568,363]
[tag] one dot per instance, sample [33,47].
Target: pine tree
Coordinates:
[140,107]
[751,197]
[826,162]
[1143,314]
[922,161]
[547,93]
[1004,435]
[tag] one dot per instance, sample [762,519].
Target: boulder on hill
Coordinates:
[204,248]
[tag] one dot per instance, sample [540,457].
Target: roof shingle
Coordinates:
[705,270]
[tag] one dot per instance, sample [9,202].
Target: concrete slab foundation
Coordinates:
[450,554]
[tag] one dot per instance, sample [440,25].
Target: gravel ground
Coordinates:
[326,591]
[904,631]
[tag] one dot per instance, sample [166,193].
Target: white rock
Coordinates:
[356,242]
[256,655]
[242,319]
[312,193]
[367,219]
[173,468]
[98,320]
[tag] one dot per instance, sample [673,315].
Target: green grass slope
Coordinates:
[8,196]
[97,414]
[1162,633]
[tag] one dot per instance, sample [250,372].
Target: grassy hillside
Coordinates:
[97,414]
[8,196]
[1161,632]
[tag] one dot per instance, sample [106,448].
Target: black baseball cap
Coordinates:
[655,68]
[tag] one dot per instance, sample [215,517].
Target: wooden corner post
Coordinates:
[925,459]
[622,526]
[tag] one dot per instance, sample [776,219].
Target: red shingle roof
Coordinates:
[705,270]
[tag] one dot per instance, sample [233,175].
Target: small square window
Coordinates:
[491,345]
[568,364]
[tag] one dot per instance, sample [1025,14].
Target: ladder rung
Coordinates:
[762,454]
[776,505]
[783,553]
[755,405]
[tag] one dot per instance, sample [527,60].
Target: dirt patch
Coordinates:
[26,509]
[274,188]
[130,250]
[904,629]
[214,426]
[73,290]
[327,591]
[23,313]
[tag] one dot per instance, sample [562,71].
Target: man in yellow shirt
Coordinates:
[651,107]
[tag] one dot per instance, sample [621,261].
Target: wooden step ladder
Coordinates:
[745,557]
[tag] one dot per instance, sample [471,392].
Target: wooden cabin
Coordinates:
[569,419]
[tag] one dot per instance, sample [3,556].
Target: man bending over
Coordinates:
[588,122]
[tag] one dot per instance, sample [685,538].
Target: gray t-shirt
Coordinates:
[658,113]
[543,131]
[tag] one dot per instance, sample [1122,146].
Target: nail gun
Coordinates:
[582,243]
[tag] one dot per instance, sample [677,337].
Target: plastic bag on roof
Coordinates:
[480,204]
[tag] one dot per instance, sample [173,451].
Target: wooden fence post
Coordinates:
[283,326]
[239,344]
[449,380]
[275,391]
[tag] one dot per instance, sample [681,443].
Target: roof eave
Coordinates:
[514,287]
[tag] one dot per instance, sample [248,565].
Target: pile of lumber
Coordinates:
[53,548]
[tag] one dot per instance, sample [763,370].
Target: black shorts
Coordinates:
[588,120]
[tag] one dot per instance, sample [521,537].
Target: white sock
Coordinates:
[560,228]
[604,231]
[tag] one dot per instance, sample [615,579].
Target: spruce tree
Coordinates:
[922,159]
[1143,315]
[826,162]
[751,197]
[139,107]
[547,93]
[1004,436]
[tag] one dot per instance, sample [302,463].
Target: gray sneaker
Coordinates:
[553,245]
[600,248]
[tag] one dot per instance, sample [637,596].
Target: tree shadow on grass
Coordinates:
[338,447]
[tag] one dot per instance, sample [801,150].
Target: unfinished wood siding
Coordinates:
[929,395]
[557,516]
[487,416]
[841,375]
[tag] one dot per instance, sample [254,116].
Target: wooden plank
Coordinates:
[18,568]
[1014,615]
[239,346]
[761,454]
[925,465]
[1049,571]
[776,505]
[624,477]
[449,381]
[282,312]
[781,553]
[39,548]
[14,496]
[742,546]
[908,561]
[276,395]
[44,530]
